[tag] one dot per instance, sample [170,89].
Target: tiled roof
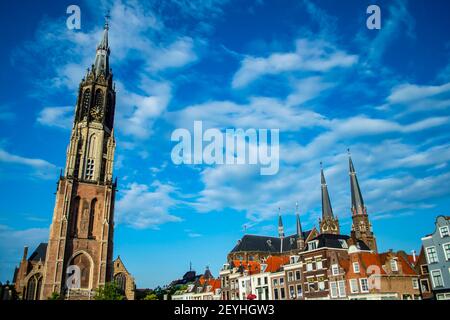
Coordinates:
[39,253]
[267,244]
[274,263]
[251,266]
[335,241]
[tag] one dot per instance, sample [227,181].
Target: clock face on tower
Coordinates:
[96,113]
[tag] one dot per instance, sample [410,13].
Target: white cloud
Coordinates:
[141,206]
[260,112]
[420,97]
[42,168]
[56,117]
[12,242]
[315,56]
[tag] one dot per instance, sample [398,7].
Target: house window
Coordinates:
[265,280]
[312,245]
[259,281]
[415,283]
[425,285]
[281,281]
[291,292]
[355,267]
[446,248]
[290,276]
[364,285]
[436,276]
[321,285]
[309,266]
[333,289]
[341,288]
[334,269]
[275,294]
[319,264]
[445,232]
[354,285]
[275,282]
[394,265]
[432,255]
[424,269]
[282,294]
[297,275]
[299,290]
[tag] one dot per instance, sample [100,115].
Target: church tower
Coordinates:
[361,227]
[328,224]
[80,246]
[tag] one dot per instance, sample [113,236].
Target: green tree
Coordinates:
[110,291]
[151,296]
[55,296]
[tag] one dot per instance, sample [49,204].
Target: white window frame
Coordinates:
[415,283]
[356,268]
[319,264]
[364,289]
[394,265]
[301,290]
[321,285]
[309,266]
[428,254]
[341,288]
[333,289]
[335,269]
[447,255]
[448,231]
[354,288]
[432,278]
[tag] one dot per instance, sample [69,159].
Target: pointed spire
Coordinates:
[327,210]
[101,63]
[357,199]
[299,225]
[280,225]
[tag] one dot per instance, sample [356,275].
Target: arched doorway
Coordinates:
[83,262]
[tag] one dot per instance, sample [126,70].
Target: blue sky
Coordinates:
[309,68]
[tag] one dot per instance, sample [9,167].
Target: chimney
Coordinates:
[25,253]
[414,255]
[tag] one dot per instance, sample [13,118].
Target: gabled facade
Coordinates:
[385,276]
[437,252]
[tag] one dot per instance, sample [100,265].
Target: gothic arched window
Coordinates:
[31,289]
[86,102]
[92,217]
[121,281]
[38,288]
[74,213]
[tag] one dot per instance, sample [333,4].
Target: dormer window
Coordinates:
[294,259]
[444,231]
[343,244]
[312,245]
[394,265]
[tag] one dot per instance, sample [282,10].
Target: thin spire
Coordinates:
[101,63]
[327,210]
[299,225]
[357,199]
[280,225]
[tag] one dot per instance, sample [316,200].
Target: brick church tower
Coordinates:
[81,233]
[361,227]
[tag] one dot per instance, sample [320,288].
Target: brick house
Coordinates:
[385,276]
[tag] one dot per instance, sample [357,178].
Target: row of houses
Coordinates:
[325,264]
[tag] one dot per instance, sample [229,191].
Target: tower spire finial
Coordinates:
[107,17]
